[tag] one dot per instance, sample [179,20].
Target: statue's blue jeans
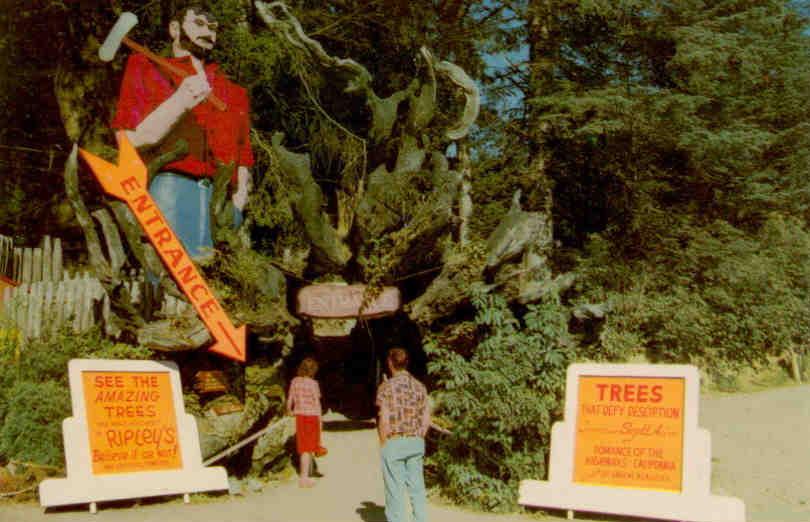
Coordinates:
[184,202]
[402,461]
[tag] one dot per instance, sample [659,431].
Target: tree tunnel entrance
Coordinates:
[352,366]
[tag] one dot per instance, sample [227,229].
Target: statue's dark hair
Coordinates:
[198,7]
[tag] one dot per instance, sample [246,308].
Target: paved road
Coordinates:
[761,451]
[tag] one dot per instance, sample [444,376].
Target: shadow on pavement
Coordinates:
[371,512]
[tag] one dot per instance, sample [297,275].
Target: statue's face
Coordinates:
[198,31]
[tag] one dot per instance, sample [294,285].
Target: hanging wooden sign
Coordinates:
[335,301]
[630,445]
[128,181]
[129,436]
[213,381]
[227,406]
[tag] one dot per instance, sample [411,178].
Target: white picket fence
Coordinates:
[50,298]
[31,265]
[40,309]
[6,255]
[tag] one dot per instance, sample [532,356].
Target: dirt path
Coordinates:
[761,445]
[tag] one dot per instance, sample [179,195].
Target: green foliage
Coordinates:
[654,112]
[272,202]
[32,427]
[676,136]
[34,394]
[501,400]
[719,297]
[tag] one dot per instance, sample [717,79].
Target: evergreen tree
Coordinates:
[677,137]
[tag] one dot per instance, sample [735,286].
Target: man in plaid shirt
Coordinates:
[404,419]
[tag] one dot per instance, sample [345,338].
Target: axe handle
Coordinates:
[135,46]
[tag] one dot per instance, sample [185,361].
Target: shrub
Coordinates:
[501,401]
[719,297]
[31,430]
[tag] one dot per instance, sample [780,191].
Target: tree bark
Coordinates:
[543,50]
[94,250]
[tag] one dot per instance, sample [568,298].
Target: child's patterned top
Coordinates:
[305,395]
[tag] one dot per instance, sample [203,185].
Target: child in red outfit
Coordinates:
[304,401]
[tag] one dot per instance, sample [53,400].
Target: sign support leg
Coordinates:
[569,514]
[93,508]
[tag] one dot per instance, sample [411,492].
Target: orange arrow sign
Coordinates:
[127,181]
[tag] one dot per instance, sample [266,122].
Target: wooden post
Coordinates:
[106,315]
[35,310]
[26,266]
[17,270]
[56,267]
[30,312]
[36,265]
[74,302]
[87,302]
[47,308]
[6,254]
[47,262]
[3,255]
[59,305]
[20,314]
[98,296]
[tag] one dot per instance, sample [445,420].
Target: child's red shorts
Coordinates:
[307,433]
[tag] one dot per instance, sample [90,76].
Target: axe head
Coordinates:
[113,41]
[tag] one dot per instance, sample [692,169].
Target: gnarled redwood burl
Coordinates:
[396,218]
[391,219]
[397,215]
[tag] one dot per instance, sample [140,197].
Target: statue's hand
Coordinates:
[243,186]
[240,198]
[194,89]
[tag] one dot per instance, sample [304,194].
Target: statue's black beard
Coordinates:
[200,52]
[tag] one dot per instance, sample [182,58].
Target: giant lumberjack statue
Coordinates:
[158,107]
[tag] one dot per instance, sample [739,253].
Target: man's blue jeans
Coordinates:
[402,460]
[184,202]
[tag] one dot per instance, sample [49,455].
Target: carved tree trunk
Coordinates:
[83,92]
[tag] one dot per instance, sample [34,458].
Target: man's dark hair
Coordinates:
[398,358]
[198,8]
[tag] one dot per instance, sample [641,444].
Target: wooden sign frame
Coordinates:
[181,472]
[692,502]
[342,301]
